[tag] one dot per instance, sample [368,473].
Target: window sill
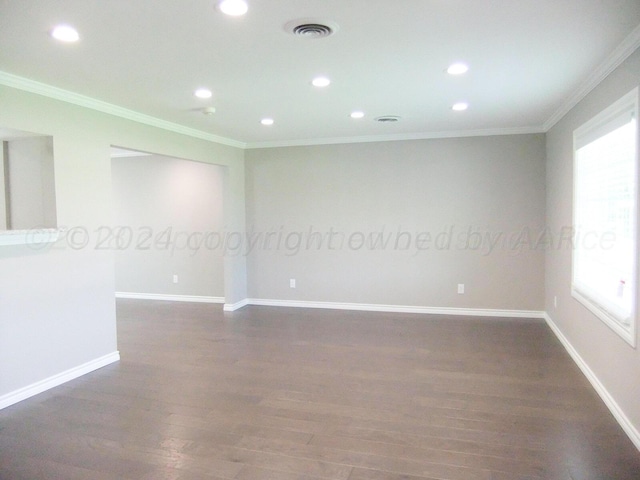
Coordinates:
[36,237]
[627,332]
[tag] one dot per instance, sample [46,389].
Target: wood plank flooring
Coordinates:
[294,394]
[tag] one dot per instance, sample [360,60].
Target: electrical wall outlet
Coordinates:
[292,283]
[461,288]
[175,279]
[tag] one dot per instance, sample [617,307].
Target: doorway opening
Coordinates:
[168,219]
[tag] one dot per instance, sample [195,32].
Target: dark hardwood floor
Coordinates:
[295,394]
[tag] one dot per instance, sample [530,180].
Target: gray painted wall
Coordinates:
[168,218]
[452,210]
[612,360]
[57,306]
[4,165]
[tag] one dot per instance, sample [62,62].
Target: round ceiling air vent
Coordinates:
[311,28]
[387,119]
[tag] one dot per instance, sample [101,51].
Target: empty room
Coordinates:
[319,239]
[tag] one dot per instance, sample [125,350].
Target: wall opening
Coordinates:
[27,181]
[167,235]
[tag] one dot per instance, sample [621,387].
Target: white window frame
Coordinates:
[603,123]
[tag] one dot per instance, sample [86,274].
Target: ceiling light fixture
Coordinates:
[235,8]
[267,121]
[457,68]
[460,106]
[203,93]
[321,82]
[209,110]
[65,33]
[357,114]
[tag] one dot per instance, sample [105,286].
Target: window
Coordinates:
[605,211]
[27,189]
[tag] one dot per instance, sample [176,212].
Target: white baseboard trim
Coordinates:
[606,397]
[472,312]
[232,307]
[170,298]
[58,379]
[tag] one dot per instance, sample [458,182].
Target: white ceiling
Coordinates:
[527,58]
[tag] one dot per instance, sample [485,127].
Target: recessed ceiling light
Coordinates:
[203,93]
[267,121]
[460,106]
[235,8]
[65,33]
[457,69]
[321,82]
[357,114]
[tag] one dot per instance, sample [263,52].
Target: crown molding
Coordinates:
[397,137]
[21,83]
[32,86]
[629,45]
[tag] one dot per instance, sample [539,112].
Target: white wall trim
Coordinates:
[606,397]
[472,312]
[170,298]
[37,238]
[58,379]
[629,45]
[232,307]
[21,83]
[28,85]
[398,137]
